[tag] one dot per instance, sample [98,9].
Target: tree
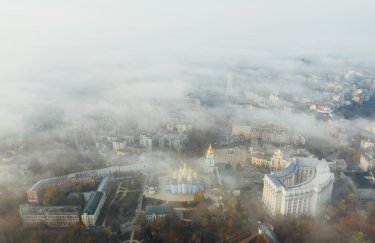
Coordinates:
[81,199]
[239,167]
[359,237]
[198,196]
[54,196]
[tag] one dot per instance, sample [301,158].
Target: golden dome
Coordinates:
[175,174]
[210,150]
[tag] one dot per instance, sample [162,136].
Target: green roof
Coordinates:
[162,209]
[93,202]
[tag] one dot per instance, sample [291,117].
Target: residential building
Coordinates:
[117,145]
[146,142]
[367,161]
[271,133]
[241,130]
[179,128]
[172,141]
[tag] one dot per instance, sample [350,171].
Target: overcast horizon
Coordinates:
[84,55]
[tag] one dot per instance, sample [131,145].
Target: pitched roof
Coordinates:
[161,209]
[93,202]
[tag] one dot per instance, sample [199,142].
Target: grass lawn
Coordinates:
[128,204]
[148,201]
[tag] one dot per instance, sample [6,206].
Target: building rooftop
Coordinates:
[104,184]
[321,175]
[260,155]
[93,202]
[362,180]
[267,231]
[36,210]
[84,174]
[278,126]
[161,209]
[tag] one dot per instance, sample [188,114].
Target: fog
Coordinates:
[74,72]
[118,57]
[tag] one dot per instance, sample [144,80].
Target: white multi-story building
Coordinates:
[67,182]
[146,142]
[117,145]
[304,187]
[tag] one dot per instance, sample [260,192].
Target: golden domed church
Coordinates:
[184,181]
[210,160]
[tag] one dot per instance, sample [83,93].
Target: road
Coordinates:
[120,189]
[139,207]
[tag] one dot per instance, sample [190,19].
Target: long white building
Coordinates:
[92,209]
[304,187]
[60,216]
[67,182]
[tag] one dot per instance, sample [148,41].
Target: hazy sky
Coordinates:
[60,52]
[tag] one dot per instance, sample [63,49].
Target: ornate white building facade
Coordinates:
[304,187]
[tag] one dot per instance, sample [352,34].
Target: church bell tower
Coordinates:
[210,160]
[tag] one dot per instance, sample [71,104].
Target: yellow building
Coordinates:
[273,162]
